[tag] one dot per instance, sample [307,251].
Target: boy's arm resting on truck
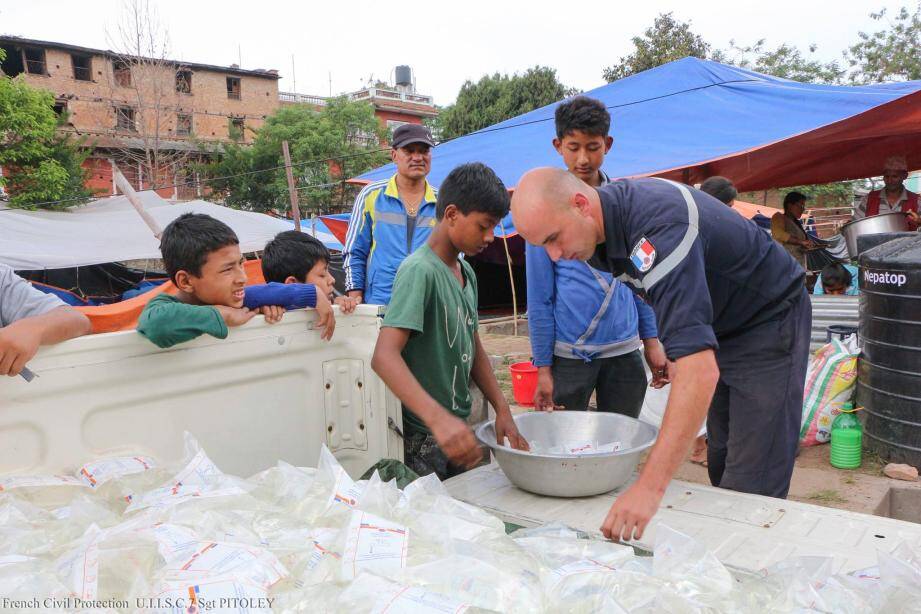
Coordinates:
[485,379]
[453,435]
[166,322]
[265,297]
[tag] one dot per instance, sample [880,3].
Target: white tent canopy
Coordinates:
[110,230]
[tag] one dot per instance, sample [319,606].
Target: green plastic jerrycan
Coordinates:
[846,438]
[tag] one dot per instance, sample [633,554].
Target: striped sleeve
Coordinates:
[358,239]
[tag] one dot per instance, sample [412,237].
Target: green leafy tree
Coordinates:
[40,165]
[668,39]
[340,141]
[496,98]
[785,61]
[891,54]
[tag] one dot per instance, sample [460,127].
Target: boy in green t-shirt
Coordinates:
[429,347]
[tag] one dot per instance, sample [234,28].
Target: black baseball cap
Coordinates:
[411,133]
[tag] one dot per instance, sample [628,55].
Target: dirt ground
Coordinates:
[814,479]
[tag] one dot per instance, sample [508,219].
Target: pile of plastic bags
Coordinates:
[129,535]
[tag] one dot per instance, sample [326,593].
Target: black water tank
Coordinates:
[889,375]
[868,242]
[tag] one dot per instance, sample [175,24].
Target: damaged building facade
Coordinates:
[153,118]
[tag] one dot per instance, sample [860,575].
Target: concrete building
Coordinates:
[125,107]
[394,105]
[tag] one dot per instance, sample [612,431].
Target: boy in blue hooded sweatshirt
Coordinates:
[586,327]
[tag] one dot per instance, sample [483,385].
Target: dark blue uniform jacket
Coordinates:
[707,272]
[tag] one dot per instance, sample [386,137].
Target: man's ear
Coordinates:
[608,143]
[558,145]
[393,155]
[184,281]
[580,203]
[291,279]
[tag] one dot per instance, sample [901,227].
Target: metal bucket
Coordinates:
[569,475]
[885,222]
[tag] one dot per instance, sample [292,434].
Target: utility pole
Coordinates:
[128,191]
[293,75]
[292,190]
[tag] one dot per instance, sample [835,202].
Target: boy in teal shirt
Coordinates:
[203,259]
[428,347]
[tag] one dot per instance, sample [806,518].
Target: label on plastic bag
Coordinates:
[30,481]
[215,595]
[200,478]
[322,539]
[212,558]
[101,471]
[80,570]
[374,544]
[414,600]
[185,554]
[345,492]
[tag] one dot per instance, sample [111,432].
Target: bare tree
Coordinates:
[152,87]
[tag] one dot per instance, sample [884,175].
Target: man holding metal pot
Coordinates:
[893,197]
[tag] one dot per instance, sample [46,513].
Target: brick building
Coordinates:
[125,107]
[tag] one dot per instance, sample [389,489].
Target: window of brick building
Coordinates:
[35,61]
[121,71]
[125,120]
[60,107]
[235,128]
[233,88]
[83,67]
[184,81]
[12,65]
[183,124]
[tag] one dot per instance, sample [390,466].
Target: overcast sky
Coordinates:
[445,42]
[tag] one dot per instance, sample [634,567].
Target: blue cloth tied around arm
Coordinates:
[289,296]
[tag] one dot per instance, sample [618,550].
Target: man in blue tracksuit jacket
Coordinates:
[585,326]
[391,218]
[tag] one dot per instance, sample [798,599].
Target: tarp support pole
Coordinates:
[511,278]
[292,191]
[132,196]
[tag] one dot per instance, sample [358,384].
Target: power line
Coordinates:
[213,179]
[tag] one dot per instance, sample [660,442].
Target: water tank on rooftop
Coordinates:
[403,76]
[889,373]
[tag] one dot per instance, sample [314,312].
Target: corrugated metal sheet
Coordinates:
[828,310]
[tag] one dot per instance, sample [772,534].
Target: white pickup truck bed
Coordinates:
[269,393]
[265,393]
[746,532]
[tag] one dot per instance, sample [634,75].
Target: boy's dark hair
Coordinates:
[473,187]
[835,274]
[292,254]
[719,188]
[187,241]
[584,114]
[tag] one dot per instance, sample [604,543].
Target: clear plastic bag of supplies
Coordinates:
[370,593]
[199,478]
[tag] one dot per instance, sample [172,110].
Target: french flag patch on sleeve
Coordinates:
[643,255]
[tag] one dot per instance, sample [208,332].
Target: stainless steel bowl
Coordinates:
[885,222]
[571,476]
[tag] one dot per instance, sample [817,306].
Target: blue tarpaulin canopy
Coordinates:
[691,119]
